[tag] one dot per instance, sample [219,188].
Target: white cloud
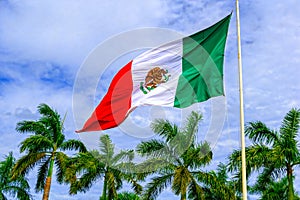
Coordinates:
[65,31]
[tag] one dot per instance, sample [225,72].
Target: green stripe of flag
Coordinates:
[202,65]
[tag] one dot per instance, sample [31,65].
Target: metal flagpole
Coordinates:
[244,179]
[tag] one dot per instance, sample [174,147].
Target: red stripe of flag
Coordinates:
[114,106]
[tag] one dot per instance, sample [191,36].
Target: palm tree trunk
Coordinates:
[47,189]
[104,189]
[290,182]
[183,196]
[48,181]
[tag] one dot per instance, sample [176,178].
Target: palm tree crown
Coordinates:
[86,168]
[44,148]
[176,159]
[18,188]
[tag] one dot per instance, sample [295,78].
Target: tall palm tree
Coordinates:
[272,189]
[226,187]
[18,188]
[128,196]
[274,152]
[176,159]
[87,168]
[44,148]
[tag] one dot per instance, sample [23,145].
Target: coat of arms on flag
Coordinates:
[154,78]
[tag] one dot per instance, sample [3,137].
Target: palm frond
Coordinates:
[197,156]
[195,192]
[23,194]
[257,156]
[133,180]
[128,196]
[272,189]
[215,186]
[36,143]
[5,168]
[125,167]
[60,139]
[87,168]
[288,132]
[160,150]
[26,163]
[123,156]
[15,191]
[37,128]
[150,148]
[258,132]
[61,162]
[182,178]
[48,112]
[51,119]
[83,184]
[83,170]
[42,173]
[153,165]
[157,185]
[164,128]
[179,144]
[111,183]
[291,123]
[192,123]
[73,145]
[186,138]
[86,161]
[222,172]
[262,180]
[106,147]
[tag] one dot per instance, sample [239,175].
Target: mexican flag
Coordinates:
[177,74]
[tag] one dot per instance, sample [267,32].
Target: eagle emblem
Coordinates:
[154,78]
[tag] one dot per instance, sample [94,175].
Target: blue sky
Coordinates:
[44,43]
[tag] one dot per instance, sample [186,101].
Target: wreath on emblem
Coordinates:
[154,78]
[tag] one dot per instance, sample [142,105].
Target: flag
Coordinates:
[177,74]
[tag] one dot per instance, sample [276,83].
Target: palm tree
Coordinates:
[112,167]
[225,188]
[176,159]
[271,190]
[276,153]
[15,188]
[128,196]
[44,148]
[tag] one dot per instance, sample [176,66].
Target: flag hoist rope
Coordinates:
[244,179]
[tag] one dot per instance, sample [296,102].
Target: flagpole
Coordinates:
[244,179]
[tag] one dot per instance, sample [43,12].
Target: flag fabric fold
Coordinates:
[176,74]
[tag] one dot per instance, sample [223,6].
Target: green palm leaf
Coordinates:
[157,185]
[195,192]
[258,132]
[73,145]
[36,143]
[164,129]
[26,163]
[42,174]
[32,127]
